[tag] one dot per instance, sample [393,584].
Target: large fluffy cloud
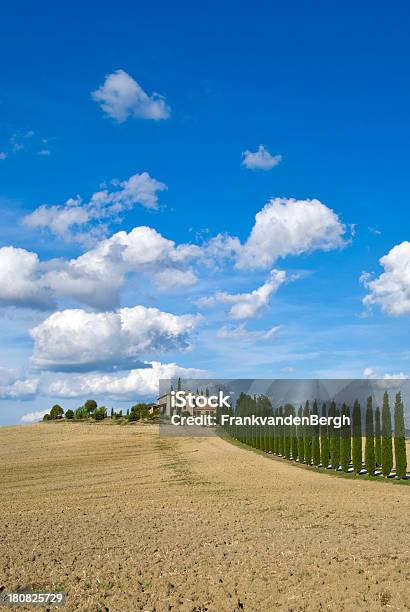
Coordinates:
[247,305]
[137,382]
[391,290]
[120,97]
[96,277]
[290,227]
[260,159]
[20,279]
[79,221]
[76,340]
[15,386]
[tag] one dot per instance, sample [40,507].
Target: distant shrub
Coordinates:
[133,416]
[46,417]
[81,413]
[100,413]
[69,414]
[141,410]
[56,412]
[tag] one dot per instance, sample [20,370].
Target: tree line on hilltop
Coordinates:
[91,410]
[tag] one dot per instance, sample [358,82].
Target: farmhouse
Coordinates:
[196,406]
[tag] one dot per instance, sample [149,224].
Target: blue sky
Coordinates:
[328,92]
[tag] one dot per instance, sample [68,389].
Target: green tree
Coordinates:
[56,412]
[370,457]
[357,438]
[81,413]
[100,413]
[378,438]
[399,438]
[69,414]
[336,442]
[300,436]
[46,417]
[141,410]
[112,413]
[295,446]
[90,405]
[315,437]
[387,449]
[281,449]
[345,440]
[264,409]
[276,440]
[307,436]
[324,440]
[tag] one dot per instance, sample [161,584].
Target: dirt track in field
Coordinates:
[123,520]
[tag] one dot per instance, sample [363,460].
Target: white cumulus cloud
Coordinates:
[260,159]
[15,386]
[290,227]
[84,222]
[33,417]
[76,340]
[137,382]
[20,279]
[121,97]
[391,290]
[96,277]
[248,305]
[369,373]
[399,376]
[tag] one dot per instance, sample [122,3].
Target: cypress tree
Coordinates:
[345,440]
[357,437]
[286,438]
[295,448]
[378,438]
[281,434]
[288,432]
[272,435]
[315,437]
[331,431]
[307,436]
[324,440]
[399,438]
[299,433]
[276,438]
[264,410]
[387,449]
[369,447]
[336,443]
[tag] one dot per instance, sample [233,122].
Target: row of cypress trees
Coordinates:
[328,446]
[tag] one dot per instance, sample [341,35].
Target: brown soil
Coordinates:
[123,520]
